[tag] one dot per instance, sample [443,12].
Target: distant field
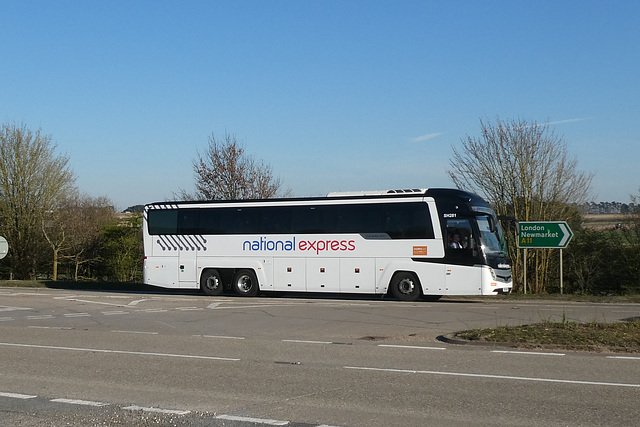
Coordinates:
[604,221]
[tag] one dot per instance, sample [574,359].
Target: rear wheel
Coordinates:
[405,286]
[211,283]
[245,283]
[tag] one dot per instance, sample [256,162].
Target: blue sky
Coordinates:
[334,95]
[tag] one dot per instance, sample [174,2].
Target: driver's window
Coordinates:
[459,235]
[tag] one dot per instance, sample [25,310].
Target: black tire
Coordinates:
[245,283]
[405,286]
[211,283]
[431,298]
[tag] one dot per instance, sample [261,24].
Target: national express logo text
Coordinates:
[317,246]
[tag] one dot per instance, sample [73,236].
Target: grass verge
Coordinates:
[594,336]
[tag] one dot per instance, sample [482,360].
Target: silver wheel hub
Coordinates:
[406,286]
[212,283]
[244,283]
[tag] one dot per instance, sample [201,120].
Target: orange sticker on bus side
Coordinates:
[419,250]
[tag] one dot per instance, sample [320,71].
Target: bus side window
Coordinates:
[459,235]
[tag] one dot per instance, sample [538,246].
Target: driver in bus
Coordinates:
[455,242]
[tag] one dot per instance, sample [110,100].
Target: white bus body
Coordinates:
[371,243]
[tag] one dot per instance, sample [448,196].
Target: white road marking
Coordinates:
[411,346]
[308,341]
[77,315]
[535,353]
[134,353]
[156,410]
[113,313]
[6,319]
[624,357]
[136,332]
[138,301]
[253,420]
[500,377]
[8,308]
[46,316]
[17,395]
[219,336]
[189,308]
[79,402]
[62,328]
[92,302]
[18,294]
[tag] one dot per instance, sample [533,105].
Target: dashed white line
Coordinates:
[253,420]
[17,395]
[136,332]
[80,402]
[8,308]
[534,353]
[308,341]
[134,353]
[156,410]
[46,316]
[87,301]
[226,337]
[77,315]
[499,377]
[412,347]
[6,319]
[114,313]
[624,357]
[62,328]
[189,308]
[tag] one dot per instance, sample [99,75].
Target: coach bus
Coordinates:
[419,243]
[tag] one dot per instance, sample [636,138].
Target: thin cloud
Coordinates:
[561,122]
[426,137]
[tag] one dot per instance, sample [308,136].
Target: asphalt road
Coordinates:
[71,357]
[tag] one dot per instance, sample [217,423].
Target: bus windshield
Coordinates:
[492,241]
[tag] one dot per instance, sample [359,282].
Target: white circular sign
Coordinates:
[4,247]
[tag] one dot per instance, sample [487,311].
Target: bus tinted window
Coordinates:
[398,220]
[408,221]
[163,221]
[314,219]
[360,218]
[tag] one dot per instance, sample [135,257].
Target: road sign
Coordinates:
[544,234]
[4,247]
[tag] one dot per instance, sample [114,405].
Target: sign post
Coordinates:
[543,234]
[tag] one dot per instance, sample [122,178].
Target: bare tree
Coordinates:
[32,176]
[54,229]
[84,218]
[524,170]
[227,172]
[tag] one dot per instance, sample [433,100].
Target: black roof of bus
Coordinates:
[444,196]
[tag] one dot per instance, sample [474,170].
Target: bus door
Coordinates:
[187,276]
[463,273]
[189,244]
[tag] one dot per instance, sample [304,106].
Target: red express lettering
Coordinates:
[327,245]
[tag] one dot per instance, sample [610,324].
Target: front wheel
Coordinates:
[245,283]
[405,286]
[211,283]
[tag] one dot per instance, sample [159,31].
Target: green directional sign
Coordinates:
[544,234]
